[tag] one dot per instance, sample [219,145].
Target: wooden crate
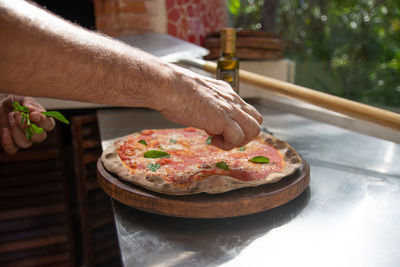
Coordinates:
[249,45]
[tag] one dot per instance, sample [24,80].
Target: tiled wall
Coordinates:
[189,20]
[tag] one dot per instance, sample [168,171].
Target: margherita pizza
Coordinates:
[182,161]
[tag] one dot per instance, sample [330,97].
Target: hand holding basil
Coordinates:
[33,128]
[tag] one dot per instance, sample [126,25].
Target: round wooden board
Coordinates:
[234,203]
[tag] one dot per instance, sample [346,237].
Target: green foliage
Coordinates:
[349,48]
[246,14]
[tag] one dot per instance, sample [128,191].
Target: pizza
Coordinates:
[183,161]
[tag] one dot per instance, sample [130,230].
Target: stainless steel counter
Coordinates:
[349,216]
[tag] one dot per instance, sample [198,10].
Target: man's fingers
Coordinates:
[232,136]
[249,109]
[7,142]
[32,104]
[38,138]
[252,111]
[248,124]
[17,132]
[41,120]
[219,141]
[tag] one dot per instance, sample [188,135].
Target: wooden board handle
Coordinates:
[338,104]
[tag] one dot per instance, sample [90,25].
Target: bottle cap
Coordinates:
[228,40]
[228,33]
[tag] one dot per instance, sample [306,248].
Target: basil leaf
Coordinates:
[29,133]
[153,167]
[243,148]
[36,129]
[259,159]
[173,141]
[142,141]
[156,154]
[208,141]
[56,115]
[25,117]
[23,110]
[222,165]
[31,130]
[17,107]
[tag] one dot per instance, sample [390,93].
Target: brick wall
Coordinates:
[122,17]
[189,20]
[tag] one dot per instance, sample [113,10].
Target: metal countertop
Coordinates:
[349,216]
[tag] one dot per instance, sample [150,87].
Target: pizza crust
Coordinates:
[213,184]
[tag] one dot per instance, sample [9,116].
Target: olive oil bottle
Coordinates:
[228,64]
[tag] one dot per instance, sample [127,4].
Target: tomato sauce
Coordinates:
[193,159]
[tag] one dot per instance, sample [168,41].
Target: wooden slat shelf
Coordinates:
[91,157]
[94,205]
[36,252]
[32,190]
[34,211]
[43,230]
[35,224]
[31,201]
[42,261]
[91,144]
[33,243]
[30,156]
[15,180]
[30,167]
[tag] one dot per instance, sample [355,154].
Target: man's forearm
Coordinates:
[42,55]
[39,53]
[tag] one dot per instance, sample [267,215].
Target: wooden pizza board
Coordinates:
[234,203]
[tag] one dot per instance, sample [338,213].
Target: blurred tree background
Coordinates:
[349,48]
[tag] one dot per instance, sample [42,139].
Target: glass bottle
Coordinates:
[228,64]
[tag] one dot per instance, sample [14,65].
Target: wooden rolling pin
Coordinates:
[350,108]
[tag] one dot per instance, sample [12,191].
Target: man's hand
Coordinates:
[212,105]
[12,132]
